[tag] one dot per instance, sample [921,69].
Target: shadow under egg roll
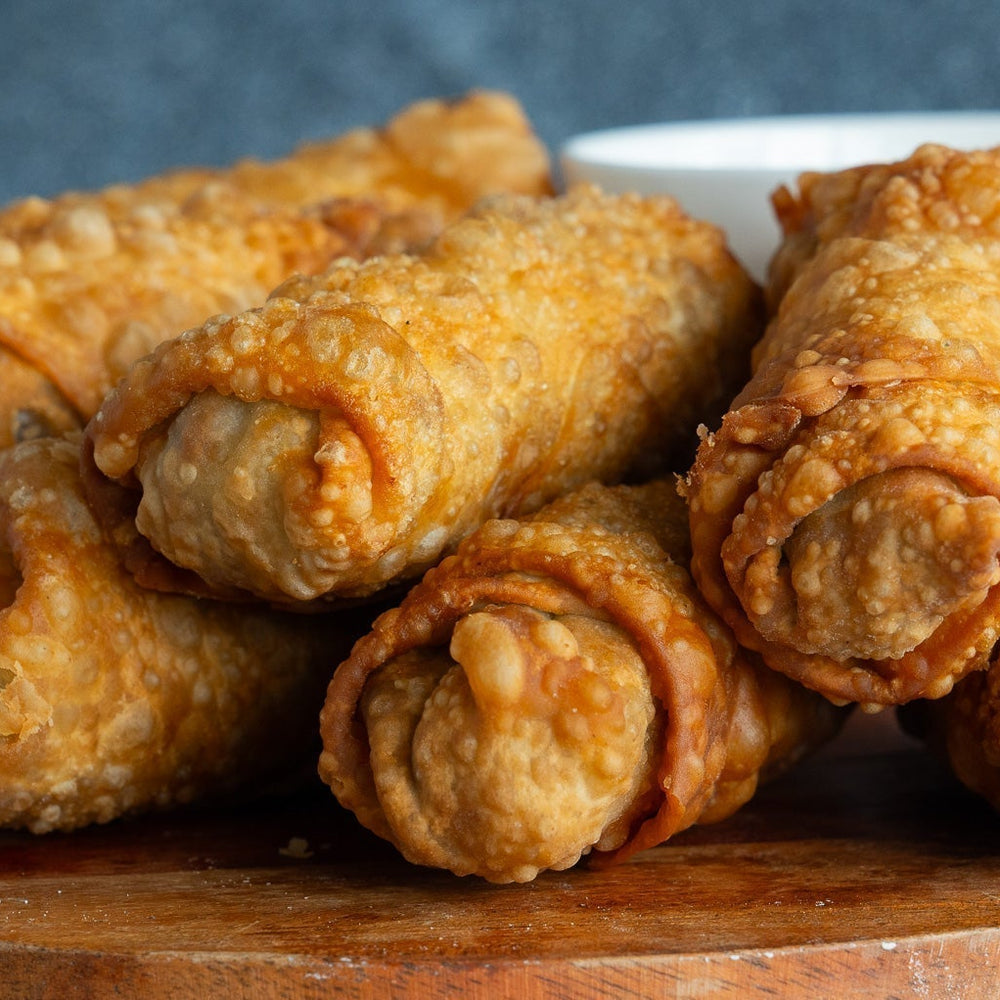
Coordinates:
[963,728]
[352,429]
[115,700]
[557,687]
[845,517]
[91,281]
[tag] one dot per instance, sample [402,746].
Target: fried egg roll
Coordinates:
[90,281]
[114,699]
[557,688]
[352,429]
[845,517]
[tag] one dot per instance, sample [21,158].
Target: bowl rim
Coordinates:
[775,143]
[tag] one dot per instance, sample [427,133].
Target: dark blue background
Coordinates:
[95,93]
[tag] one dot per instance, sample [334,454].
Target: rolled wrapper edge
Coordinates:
[511,567]
[265,354]
[727,478]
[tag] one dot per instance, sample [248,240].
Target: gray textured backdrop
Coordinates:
[95,93]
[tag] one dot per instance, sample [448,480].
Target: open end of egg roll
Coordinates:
[264,473]
[519,748]
[875,570]
[255,472]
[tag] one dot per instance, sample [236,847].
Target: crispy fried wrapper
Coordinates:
[91,281]
[347,433]
[845,517]
[557,688]
[115,700]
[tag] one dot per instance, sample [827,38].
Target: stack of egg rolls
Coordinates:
[90,281]
[114,699]
[845,516]
[344,435]
[557,687]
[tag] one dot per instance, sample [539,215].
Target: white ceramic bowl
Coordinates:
[726,170]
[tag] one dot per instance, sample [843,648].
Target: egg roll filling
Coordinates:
[524,743]
[876,569]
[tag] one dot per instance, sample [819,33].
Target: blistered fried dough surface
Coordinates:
[846,516]
[936,190]
[113,699]
[357,425]
[91,281]
[553,689]
[426,165]
[88,292]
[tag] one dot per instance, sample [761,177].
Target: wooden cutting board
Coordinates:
[866,872]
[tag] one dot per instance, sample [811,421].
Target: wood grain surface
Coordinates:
[865,872]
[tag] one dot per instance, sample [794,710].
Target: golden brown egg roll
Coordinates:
[845,517]
[348,432]
[90,281]
[114,699]
[557,688]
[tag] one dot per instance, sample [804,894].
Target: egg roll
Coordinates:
[555,689]
[90,281]
[845,515]
[115,700]
[344,435]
